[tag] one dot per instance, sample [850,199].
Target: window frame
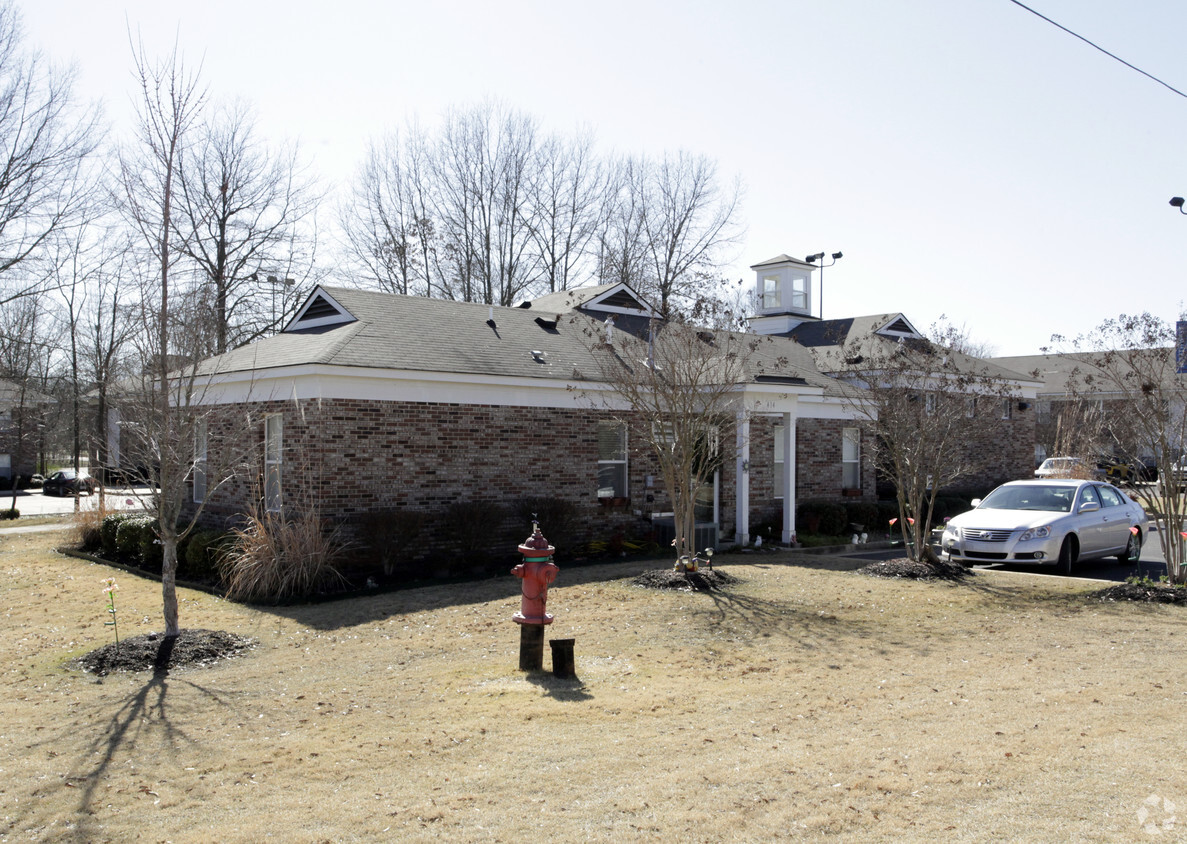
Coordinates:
[851,436]
[614,462]
[273,463]
[200,461]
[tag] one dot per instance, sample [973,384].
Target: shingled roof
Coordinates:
[412,333]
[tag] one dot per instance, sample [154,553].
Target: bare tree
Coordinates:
[170,102]
[481,171]
[242,208]
[678,389]
[1129,371]
[386,223]
[24,358]
[44,140]
[925,404]
[566,204]
[690,224]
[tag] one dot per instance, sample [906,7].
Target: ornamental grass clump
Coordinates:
[273,558]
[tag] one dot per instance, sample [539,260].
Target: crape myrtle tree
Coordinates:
[1129,366]
[678,390]
[925,404]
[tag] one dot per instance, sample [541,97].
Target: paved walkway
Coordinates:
[35,528]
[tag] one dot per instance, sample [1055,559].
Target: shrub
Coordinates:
[150,552]
[107,531]
[11,513]
[128,536]
[864,513]
[87,527]
[476,528]
[557,518]
[273,559]
[825,517]
[199,561]
[389,533]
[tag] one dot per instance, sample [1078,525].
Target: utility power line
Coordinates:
[1098,47]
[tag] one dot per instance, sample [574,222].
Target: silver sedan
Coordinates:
[1047,521]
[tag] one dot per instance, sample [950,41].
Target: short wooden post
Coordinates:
[563,664]
[531,647]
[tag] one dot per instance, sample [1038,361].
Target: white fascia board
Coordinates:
[318,381]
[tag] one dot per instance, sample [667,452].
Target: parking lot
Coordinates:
[1152,564]
[31,502]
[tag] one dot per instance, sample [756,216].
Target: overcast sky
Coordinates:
[967,157]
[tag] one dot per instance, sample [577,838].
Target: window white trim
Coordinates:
[273,462]
[1007,408]
[851,458]
[199,461]
[612,460]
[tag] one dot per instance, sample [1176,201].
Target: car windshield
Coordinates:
[1053,498]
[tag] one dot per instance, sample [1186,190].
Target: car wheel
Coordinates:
[1133,549]
[1067,556]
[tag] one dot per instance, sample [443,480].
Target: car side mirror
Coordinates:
[1089,507]
[976,502]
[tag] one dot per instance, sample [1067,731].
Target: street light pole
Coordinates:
[819,256]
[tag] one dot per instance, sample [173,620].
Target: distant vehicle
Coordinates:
[67,482]
[1066,467]
[36,481]
[1047,521]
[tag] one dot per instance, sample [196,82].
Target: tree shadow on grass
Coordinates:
[147,709]
[380,606]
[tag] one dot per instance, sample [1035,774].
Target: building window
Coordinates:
[612,460]
[929,404]
[200,461]
[777,463]
[1007,408]
[970,407]
[799,293]
[772,293]
[851,458]
[273,430]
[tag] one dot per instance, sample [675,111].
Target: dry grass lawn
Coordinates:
[805,703]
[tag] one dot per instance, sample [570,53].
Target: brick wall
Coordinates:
[352,457]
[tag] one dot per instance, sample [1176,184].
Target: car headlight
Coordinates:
[952,531]
[1035,533]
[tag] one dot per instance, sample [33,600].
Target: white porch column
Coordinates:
[742,486]
[788,435]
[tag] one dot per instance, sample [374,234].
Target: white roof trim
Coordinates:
[596,302]
[342,316]
[887,331]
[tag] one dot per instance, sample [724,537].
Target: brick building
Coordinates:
[369,401]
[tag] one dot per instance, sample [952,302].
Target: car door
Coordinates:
[1090,524]
[1115,519]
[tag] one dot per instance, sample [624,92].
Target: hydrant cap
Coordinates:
[536,543]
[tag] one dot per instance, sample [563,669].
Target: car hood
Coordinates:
[1005,519]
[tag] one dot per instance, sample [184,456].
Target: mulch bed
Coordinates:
[155,652]
[705,580]
[921,570]
[1154,594]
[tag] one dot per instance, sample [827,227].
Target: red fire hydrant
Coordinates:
[536,571]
